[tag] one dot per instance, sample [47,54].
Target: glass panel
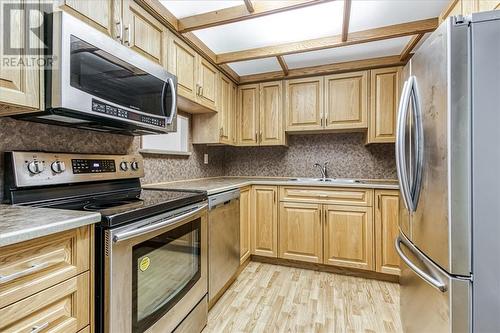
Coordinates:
[164,270]
[103,75]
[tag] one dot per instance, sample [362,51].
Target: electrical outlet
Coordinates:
[205,158]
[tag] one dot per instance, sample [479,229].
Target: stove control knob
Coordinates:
[134,165]
[58,166]
[124,166]
[36,167]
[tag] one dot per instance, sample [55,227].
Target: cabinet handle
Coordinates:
[321,122]
[197,89]
[260,136]
[39,328]
[201,90]
[120,30]
[274,196]
[256,136]
[127,30]
[221,131]
[30,270]
[378,202]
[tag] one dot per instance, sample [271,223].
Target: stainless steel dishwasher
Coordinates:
[223,240]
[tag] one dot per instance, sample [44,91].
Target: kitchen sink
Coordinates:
[326,180]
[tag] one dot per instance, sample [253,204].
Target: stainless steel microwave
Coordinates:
[94,82]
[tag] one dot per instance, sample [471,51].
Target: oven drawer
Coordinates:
[29,267]
[326,195]
[63,308]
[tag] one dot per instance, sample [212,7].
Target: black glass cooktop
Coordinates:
[126,206]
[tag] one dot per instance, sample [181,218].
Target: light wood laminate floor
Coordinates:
[270,298]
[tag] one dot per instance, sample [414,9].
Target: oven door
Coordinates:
[94,80]
[156,271]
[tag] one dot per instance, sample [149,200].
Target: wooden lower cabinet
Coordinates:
[348,237]
[244,224]
[300,232]
[386,231]
[264,221]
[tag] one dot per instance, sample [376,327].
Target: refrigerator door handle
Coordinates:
[433,281]
[400,146]
[419,140]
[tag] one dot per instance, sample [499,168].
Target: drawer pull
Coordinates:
[32,269]
[39,328]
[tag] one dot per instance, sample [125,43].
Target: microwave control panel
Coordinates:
[98,106]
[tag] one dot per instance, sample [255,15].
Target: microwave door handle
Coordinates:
[433,281]
[127,234]
[173,108]
[400,146]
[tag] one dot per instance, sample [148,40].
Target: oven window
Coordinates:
[104,75]
[164,270]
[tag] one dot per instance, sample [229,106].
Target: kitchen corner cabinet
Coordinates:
[20,86]
[348,237]
[386,231]
[264,221]
[346,101]
[301,232]
[245,204]
[304,102]
[261,114]
[197,79]
[385,89]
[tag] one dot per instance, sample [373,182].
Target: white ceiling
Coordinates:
[307,23]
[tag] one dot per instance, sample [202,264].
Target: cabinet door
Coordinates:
[182,62]
[248,115]
[346,101]
[19,84]
[386,231]
[485,5]
[143,33]
[244,224]
[348,236]
[384,99]
[271,114]
[264,224]
[300,232]
[208,77]
[225,110]
[104,15]
[304,104]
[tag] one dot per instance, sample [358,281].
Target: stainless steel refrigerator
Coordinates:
[448,163]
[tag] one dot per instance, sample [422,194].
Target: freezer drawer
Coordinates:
[431,300]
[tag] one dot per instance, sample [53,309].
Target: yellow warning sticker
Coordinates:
[144,264]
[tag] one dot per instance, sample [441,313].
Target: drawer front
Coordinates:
[29,267]
[327,195]
[63,308]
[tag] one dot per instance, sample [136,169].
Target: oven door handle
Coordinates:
[127,234]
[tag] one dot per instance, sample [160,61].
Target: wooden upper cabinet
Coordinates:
[304,104]
[248,114]
[485,5]
[208,77]
[264,223]
[143,33]
[384,99]
[104,15]
[271,114]
[300,232]
[386,230]
[346,101]
[19,85]
[245,204]
[226,110]
[348,237]
[182,62]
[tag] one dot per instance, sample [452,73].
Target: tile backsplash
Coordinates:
[346,153]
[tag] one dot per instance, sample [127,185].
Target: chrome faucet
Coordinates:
[324,171]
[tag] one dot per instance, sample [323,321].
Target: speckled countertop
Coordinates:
[18,224]
[221,184]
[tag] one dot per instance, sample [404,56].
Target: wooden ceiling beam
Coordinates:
[345,22]
[249,5]
[283,65]
[341,67]
[241,13]
[358,37]
[406,53]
